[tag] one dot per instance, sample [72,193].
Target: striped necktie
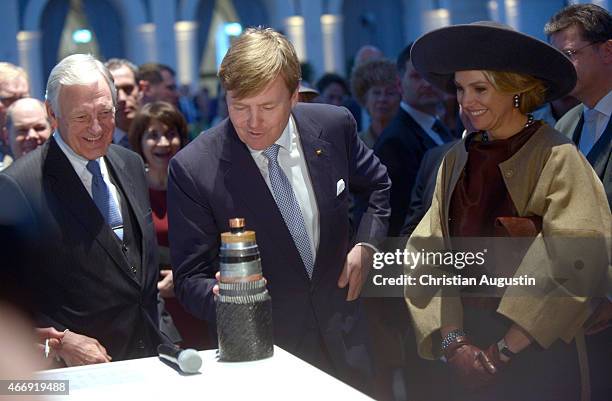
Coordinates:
[104,200]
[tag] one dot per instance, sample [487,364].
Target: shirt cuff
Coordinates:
[365,244]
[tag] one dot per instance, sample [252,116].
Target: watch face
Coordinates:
[503,348]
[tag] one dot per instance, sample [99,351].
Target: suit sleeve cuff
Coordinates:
[365,244]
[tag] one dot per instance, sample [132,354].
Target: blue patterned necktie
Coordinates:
[587,138]
[289,207]
[104,200]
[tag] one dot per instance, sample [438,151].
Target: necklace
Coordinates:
[530,121]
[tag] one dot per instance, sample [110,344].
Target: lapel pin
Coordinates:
[319,152]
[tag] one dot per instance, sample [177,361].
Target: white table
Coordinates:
[282,377]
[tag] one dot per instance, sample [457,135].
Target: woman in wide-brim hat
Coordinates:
[510,175]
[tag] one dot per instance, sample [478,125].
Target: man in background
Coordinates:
[124,74]
[414,130]
[584,33]
[28,126]
[13,86]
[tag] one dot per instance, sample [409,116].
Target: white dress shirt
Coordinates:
[426,121]
[602,117]
[292,162]
[79,164]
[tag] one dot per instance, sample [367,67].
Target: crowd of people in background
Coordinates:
[403,119]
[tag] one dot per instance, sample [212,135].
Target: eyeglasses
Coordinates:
[572,53]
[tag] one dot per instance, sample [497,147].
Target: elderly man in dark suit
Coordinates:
[287,169]
[75,217]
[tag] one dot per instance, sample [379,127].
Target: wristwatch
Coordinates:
[502,347]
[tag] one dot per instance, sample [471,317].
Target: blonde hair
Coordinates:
[532,91]
[257,58]
[9,71]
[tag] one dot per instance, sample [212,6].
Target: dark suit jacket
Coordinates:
[70,267]
[424,186]
[401,147]
[215,178]
[600,155]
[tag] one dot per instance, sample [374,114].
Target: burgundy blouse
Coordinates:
[480,195]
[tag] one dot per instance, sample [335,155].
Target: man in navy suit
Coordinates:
[314,277]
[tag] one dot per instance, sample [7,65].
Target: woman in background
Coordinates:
[157,133]
[376,87]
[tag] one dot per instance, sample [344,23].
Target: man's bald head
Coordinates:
[28,126]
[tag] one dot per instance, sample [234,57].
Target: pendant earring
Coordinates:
[517,101]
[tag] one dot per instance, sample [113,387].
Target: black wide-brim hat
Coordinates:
[492,46]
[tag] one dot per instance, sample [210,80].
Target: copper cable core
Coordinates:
[237,222]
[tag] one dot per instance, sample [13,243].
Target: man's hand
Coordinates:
[218,278]
[216,286]
[48,333]
[77,349]
[166,284]
[356,269]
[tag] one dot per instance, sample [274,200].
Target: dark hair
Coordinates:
[163,112]
[116,63]
[594,21]
[331,78]
[403,58]
[150,72]
[164,67]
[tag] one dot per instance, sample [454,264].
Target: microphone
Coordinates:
[187,360]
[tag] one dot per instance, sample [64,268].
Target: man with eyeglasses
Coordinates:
[13,86]
[124,74]
[584,33]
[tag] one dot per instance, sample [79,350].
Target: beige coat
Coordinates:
[547,177]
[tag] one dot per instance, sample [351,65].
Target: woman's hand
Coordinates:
[471,365]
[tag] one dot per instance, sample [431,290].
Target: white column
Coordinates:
[8,31]
[146,38]
[163,15]
[333,45]
[186,52]
[511,8]
[434,19]
[294,26]
[30,58]
[414,18]
[311,11]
